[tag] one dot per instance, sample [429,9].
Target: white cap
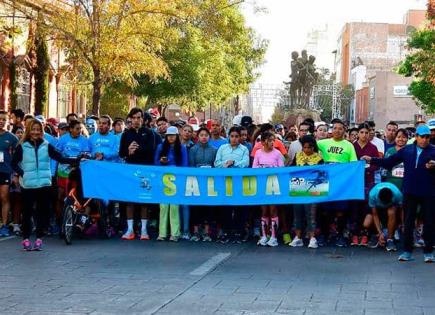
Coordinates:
[172,130]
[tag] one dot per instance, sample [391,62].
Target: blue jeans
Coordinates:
[185,218]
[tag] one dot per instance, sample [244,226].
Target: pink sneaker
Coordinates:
[27,245]
[38,245]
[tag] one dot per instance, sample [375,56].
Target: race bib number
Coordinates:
[398,172]
[2,157]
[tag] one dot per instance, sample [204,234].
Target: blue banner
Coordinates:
[218,186]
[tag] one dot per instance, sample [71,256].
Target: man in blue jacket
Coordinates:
[418,188]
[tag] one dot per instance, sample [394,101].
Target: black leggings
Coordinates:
[40,196]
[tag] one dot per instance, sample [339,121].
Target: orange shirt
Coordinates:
[277,144]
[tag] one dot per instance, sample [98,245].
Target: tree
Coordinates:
[41,72]
[216,60]
[112,39]
[420,63]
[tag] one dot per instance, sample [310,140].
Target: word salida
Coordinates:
[192,186]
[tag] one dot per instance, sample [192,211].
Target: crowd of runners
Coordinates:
[39,159]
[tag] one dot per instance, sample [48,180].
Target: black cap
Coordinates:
[246,121]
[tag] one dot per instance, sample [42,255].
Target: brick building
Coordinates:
[367,50]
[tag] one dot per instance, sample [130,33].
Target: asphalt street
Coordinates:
[133,277]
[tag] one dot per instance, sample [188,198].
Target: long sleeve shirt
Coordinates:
[239,154]
[202,155]
[171,156]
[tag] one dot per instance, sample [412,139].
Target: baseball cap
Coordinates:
[172,131]
[423,130]
[62,125]
[246,121]
[431,124]
[279,126]
[40,118]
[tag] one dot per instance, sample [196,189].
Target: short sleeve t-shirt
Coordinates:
[8,142]
[374,201]
[337,151]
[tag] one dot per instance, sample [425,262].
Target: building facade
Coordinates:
[371,51]
[17,66]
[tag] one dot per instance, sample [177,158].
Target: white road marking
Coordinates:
[7,238]
[210,264]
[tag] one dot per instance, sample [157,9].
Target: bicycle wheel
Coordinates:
[68,224]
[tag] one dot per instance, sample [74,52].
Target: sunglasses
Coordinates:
[424,136]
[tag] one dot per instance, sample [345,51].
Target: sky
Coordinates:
[287,22]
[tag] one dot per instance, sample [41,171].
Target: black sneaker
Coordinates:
[341,242]
[374,242]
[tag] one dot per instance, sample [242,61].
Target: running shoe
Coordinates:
[128,236]
[374,242]
[286,238]
[4,231]
[355,241]
[206,238]
[223,239]
[313,243]
[27,245]
[161,238]
[144,237]
[391,247]
[297,242]
[195,237]
[429,258]
[16,229]
[173,238]
[406,256]
[185,236]
[272,242]
[236,239]
[321,240]
[262,241]
[341,242]
[364,241]
[37,246]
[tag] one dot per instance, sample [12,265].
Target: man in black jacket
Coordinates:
[138,145]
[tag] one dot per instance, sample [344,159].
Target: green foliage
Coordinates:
[41,74]
[114,101]
[215,61]
[420,64]
[424,92]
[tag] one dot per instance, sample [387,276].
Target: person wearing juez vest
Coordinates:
[31,161]
[418,188]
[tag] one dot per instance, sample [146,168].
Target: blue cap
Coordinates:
[423,130]
[431,123]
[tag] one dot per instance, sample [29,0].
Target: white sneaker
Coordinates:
[16,229]
[272,242]
[297,242]
[313,243]
[262,241]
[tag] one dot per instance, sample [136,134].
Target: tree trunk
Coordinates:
[96,93]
